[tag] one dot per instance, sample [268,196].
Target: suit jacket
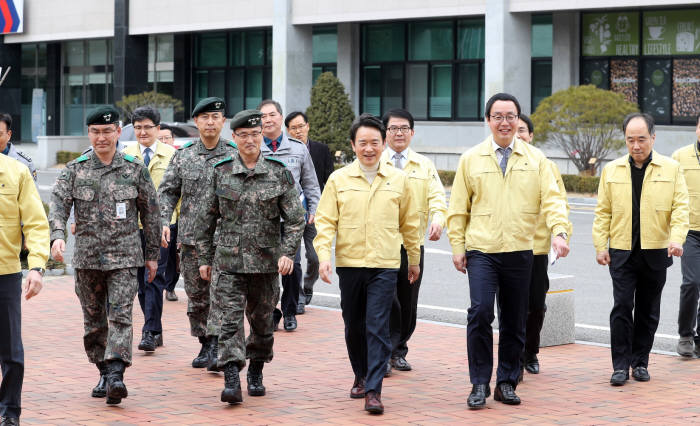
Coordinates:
[323,161]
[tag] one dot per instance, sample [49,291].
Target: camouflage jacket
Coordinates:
[247,205]
[186,178]
[108,203]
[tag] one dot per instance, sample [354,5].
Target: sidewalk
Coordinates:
[310,378]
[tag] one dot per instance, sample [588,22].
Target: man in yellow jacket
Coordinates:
[688,312]
[429,196]
[19,204]
[155,155]
[501,186]
[641,220]
[368,207]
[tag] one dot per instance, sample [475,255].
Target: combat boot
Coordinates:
[116,390]
[232,388]
[100,391]
[213,354]
[255,379]
[202,358]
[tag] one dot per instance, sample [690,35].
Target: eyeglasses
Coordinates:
[508,117]
[299,127]
[252,135]
[147,128]
[105,132]
[403,129]
[165,138]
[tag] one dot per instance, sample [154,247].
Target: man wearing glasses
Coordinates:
[296,157]
[111,192]
[155,155]
[500,188]
[429,196]
[184,181]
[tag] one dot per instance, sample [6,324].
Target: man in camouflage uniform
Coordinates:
[110,191]
[247,195]
[185,178]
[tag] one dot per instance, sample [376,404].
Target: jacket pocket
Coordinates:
[350,241]
[9,205]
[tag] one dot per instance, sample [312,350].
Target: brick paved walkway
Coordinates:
[310,377]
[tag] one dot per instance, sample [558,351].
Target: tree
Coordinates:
[584,121]
[330,114]
[159,101]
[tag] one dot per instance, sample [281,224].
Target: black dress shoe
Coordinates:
[506,394]
[477,398]
[308,294]
[532,364]
[290,323]
[373,403]
[358,388]
[158,339]
[9,421]
[400,364]
[619,377]
[147,343]
[301,308]
[641,374]
[170,296]
[387,372]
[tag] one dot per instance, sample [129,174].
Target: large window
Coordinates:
[324,50]
[652,57]
[236,66]
[541,69]
[33,91]
[161,68]
[434,69]
[87,81]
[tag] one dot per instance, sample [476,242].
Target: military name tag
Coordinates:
[121,210]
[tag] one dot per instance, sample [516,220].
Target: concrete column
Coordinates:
[349,61]
[11,89]
[130,55]
[508,52]
[566,50]
[291,59]
[53,89]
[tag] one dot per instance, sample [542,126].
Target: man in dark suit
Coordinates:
[297,125]
[648,190]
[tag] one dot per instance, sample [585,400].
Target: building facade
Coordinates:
[441,60]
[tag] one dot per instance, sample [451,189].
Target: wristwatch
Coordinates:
[40,270]
[564,235]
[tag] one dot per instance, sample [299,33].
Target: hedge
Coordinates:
[581,184]
[63,157]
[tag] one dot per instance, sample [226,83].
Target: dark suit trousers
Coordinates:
[539,286]
[636,287]
[508,275]
[366,295]
[151,294]
[11,349]
[688,311]
[290,288]
[171,273]
[404,309]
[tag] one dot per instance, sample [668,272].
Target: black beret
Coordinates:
[103,115]
[209,105]
[246,119]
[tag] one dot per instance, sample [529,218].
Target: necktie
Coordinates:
[505,153]
[146,156]
[397,160]
[274,146]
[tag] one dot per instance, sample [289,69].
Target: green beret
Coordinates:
[103,115]
[212,104]
[246,119]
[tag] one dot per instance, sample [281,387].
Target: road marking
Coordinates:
[603,328]
[583,212]
[437,251]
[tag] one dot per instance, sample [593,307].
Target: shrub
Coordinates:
[582,184]
[330,114]
[446,177]
[159,101]
[63,157]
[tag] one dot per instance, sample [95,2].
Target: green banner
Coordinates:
[611,34]
[671,32]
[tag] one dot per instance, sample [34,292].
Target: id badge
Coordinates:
[121,210]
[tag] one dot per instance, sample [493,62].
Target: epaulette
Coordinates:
[129,158]
[225,160]
[233,144]
[23,155]
[295,140]
[275,160]
[81,158]
[187,145]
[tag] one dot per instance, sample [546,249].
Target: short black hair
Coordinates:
[146,113]
[397,113]
[167,127]
[643,115]
[7,119]
[501,97]
[367,120]
[292,115]
[528,121]
[277,105]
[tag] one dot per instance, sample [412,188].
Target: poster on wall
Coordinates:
[610,34]
[656,89]
[671,32]
[686,90]
[11,16]
[623,78]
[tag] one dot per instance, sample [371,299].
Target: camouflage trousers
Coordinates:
[197,291]
[256,295]
[107,299]
[215,311]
